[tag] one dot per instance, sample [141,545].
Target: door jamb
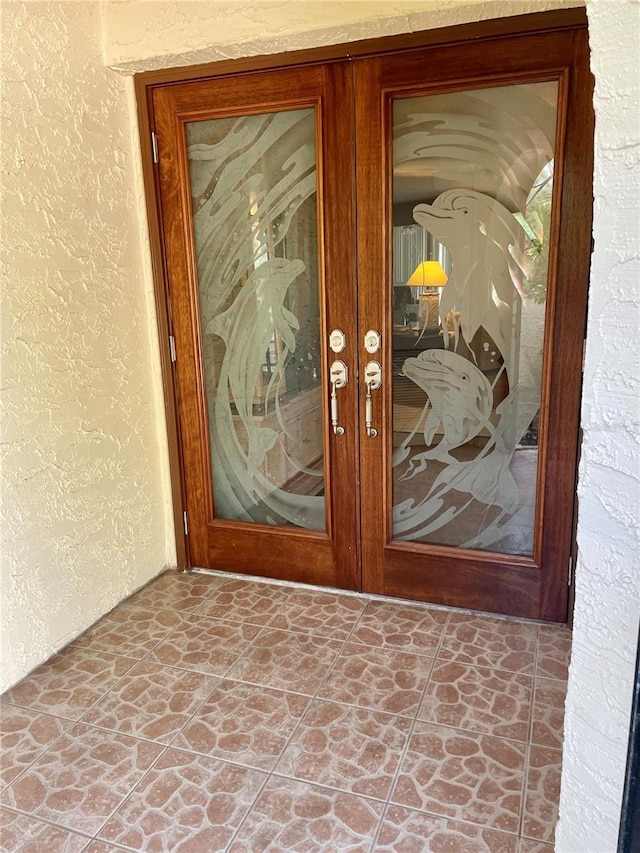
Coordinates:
[146,124]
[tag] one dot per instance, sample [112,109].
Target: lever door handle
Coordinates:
[372,381]
[338,376]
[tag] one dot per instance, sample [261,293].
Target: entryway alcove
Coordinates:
[341,413]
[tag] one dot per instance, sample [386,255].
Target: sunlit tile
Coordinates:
[401,626]
[405,831]
[542,793]
[286,661]
[181,591]
[244,723]
[548,712]
[554,652]
[485,641]
[294,816]
[152,702]
[82,778]
[527,845]
[379,678]
[353,749]
[245,601]
[462,776]
[19,832]
[129,630]
[24,736]
[205,645]
[186,802]
[321,613]
[478,699]
[69,683]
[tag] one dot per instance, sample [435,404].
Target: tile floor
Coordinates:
[209,713]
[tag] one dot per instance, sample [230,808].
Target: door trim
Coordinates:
[145,84]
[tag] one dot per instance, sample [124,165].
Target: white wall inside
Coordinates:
[85,514]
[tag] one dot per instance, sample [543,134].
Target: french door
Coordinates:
[257,185]
[377,273]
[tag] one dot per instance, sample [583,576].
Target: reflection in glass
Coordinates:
[253,187]
[472,184]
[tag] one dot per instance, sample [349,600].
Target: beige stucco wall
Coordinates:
[85,510]
[85,498]
[140,36]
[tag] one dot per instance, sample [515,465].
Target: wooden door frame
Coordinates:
[146,82]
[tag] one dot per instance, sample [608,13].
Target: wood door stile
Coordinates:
[563,374]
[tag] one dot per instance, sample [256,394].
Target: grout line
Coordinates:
[125,799]
[40,755]
[108,844]
[229,678]
[369,797]
[483,826]
[525,774]
[147,651]
[185,619]
[101,696]
[313,698]
[250,808]
[48,822]
[139,737]
[412,727]
[92,835]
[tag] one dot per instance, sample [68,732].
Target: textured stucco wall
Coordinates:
[85,509]
[141,36]
[608,574]
[83,513]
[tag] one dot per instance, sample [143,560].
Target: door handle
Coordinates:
[339,376]
[372,381]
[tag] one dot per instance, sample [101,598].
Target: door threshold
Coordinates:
[369,596]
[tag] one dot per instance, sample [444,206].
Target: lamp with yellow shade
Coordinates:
[428,274]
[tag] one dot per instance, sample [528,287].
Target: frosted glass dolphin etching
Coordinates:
[486,245]
[485,242]
[459,406]
[460,400]
[246,199]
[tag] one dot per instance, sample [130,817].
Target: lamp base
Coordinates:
[429,310]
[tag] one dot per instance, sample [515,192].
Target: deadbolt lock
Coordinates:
[337,340]
[372,341]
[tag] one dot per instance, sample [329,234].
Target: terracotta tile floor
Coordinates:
[210,713]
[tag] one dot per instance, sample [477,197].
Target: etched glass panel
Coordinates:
[472,183]
[254,195]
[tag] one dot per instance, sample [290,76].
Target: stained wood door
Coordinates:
[257,196]
[483,152]
[299,203]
